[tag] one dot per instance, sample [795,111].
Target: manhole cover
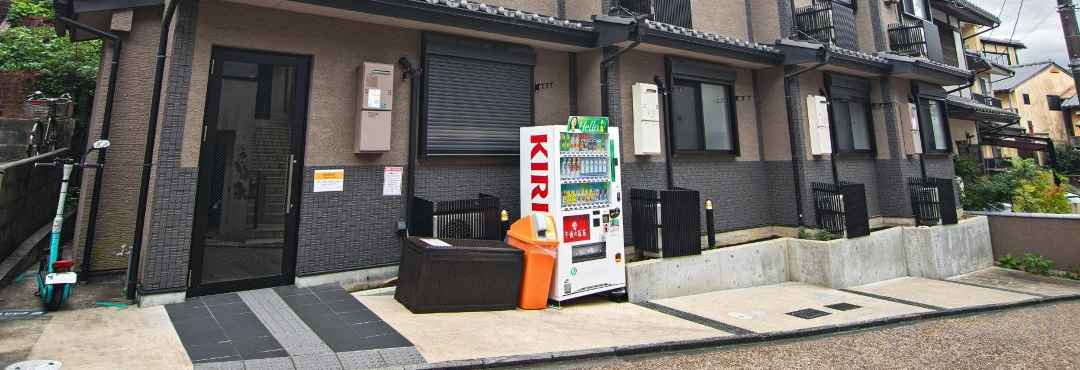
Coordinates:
[35,365]
[843,306]
[808,313]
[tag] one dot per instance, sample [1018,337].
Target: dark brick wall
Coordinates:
[167,254]
[351,229]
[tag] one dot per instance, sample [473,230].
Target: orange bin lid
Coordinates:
[522,230]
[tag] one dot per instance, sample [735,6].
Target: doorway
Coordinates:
[250,170]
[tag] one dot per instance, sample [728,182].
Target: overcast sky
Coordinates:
[1039,28]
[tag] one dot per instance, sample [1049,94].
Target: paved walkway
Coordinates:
[327,328]
[1037,337]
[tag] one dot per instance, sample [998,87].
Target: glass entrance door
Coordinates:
[250,165]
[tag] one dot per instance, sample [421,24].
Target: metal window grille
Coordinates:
[841,209]
[673,12]
[666,223]
[457,219]
[827,22]
[933,201]
[908,39]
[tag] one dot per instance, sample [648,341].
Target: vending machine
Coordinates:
[572,172]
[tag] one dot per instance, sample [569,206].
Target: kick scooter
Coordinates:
[54,277]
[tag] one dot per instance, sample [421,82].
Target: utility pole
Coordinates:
[1067,11]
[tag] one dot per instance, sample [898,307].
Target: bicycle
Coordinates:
[54,276]
[42,136]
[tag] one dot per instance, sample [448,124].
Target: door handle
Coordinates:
[288,185]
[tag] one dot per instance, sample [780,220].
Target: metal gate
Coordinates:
[666,223]
[933,201]
[841,209]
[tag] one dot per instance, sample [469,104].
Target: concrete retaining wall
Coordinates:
[943,251]
[741,266]
[932,252]
[845,263]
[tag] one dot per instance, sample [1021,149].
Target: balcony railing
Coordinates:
[908,39]
[987,100]
[827,22]
[673,12]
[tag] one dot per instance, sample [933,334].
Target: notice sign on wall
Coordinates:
[329,180]
[392,181]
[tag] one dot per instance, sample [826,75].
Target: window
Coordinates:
[984,86]
[850,113]
[999,58]
[917,8]
[1031,128]
[1027,99]
[937,136]
[852,125]
[477,95]
[703,117]
[1053,102]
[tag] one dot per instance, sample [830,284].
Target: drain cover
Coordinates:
[844,306]
[808,313]
[35,365]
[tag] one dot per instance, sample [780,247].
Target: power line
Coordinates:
[1000,12]
[1018,12]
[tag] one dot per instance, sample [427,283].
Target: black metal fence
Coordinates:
[825,21]
[908,39]
[457,219]
[841,209]
[666,223]
[933,201]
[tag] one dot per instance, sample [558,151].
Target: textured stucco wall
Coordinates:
[120,180]
[723,17]
[583,10]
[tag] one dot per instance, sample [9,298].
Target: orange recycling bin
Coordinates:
[535,235]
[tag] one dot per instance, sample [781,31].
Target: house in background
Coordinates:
[1001,51]
[1071,106]
[1037,92]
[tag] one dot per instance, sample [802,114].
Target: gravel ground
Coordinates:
[1038,337]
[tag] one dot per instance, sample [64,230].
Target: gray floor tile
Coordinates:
[317,362]
[402,356]
[368,359]
[278,363]
[289,330]
[228,365]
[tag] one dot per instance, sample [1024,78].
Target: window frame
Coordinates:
[733,116]
[1053,102]
[1026,98]
[868,109]
[907,7]
[926,123]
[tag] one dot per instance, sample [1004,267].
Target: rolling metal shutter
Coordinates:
[478,94]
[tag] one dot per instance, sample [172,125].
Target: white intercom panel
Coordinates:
[646,119]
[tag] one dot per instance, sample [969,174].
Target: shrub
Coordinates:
[60,64]
[29,8]
[1009,262]
[1039,194]
[1036,264]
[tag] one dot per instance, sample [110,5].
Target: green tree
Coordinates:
[1025,185]
[59,64]
[1066,160]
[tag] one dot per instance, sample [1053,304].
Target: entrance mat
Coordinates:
[345,324]
[222,328]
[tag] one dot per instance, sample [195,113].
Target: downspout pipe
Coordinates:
[665,97]
[411,73]
[825,56]
[106,125]
[148,151]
